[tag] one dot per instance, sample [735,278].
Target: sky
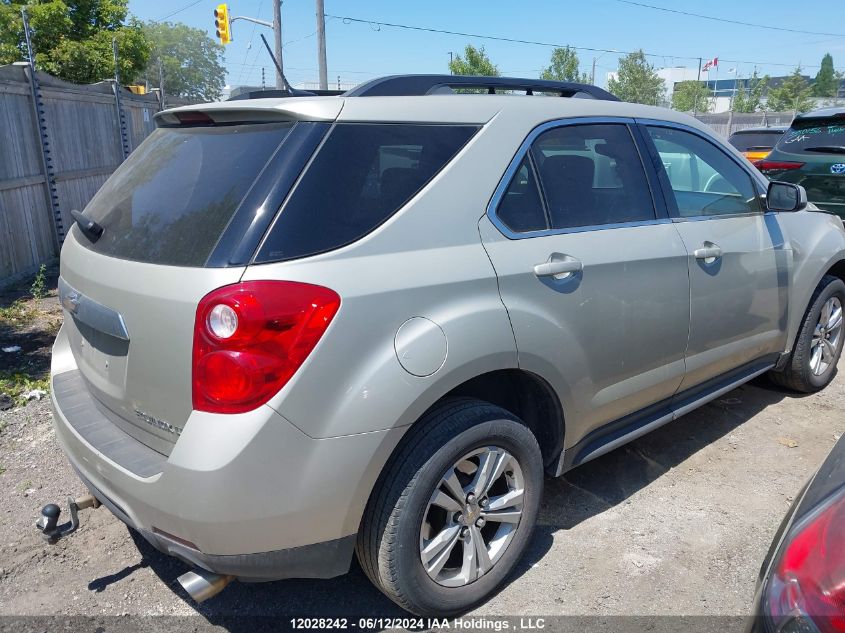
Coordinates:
[357,51]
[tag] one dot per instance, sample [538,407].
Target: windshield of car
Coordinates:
[745,141]
[815,135]
[170,201]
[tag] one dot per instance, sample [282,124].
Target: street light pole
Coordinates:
[277,33]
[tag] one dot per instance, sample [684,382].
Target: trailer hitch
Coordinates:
[51,531]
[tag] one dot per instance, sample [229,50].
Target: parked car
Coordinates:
[812,154]
[755,143]
[306,328]
[802,580]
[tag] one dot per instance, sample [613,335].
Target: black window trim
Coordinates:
[757,179]
[659,205]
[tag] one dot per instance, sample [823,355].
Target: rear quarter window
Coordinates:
[360,177]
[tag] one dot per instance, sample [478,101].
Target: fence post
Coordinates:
[43,139]
[121,117]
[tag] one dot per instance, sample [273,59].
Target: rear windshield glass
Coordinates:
[170,201]
[746,141]
[360,177]
[815,136]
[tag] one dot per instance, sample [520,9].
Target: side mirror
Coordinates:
[784,196]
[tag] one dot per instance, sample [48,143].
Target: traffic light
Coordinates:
[221,22]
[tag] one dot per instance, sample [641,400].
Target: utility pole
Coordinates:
[321,45]
[277,33]
[162,95]
[593,72]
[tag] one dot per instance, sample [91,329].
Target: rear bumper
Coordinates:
[248,495]
[319,560]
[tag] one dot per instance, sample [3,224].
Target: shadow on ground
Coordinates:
[581,494]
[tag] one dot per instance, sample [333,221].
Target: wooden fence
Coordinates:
[726,123]
[85,146]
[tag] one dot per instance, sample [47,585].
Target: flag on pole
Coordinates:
[711,63]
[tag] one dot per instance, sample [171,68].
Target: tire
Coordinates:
[801,372]
[392,535]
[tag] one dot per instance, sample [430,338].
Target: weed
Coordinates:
[18,384]
[17,314]
[38,289]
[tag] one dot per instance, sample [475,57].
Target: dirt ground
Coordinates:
[677,523]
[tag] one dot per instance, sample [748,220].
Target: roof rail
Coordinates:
[410,85]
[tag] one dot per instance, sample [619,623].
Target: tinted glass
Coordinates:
[704,179]
[170,201]
[745,141]
[815,136]
[591,175]
[521,208]
[361,176]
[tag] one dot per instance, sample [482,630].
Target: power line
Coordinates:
[251,36]
[378,24]
[170,15]
[726,20]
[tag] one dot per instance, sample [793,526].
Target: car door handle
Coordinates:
[558,266]
[708,251]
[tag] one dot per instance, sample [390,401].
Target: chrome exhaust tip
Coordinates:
[202,585]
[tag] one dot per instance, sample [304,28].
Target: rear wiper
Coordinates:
[827,149]
[89,228]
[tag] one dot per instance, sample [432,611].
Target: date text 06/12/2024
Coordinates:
[411,623]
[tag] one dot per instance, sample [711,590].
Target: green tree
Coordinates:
[691,96]
[474,62]
[637,82]
[749,94]
[827,80]
[190,61]
[793,94]
[564,67]
[73,38]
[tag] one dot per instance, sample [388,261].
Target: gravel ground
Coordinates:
[676,523]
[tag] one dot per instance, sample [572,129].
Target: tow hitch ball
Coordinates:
[51,531]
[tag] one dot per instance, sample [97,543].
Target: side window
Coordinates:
[592,175]
[521,208]
[360,177]
[704,179]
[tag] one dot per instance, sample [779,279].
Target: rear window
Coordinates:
[360,177]
[745,141]
[815,136]
[170,201]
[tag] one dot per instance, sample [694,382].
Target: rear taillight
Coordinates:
[806,589]
[251,337]
[777,165]
[755,155]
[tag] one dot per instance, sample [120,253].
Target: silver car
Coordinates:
[307,328]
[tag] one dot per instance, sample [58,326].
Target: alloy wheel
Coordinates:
[826,336]
[472,516]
